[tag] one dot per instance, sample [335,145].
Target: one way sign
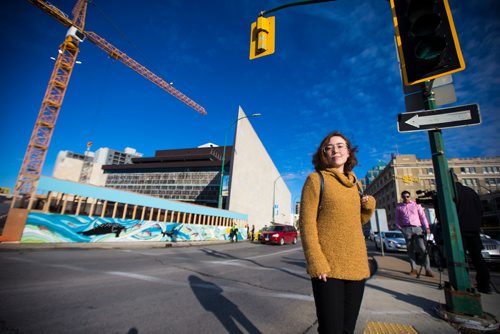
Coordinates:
[439,118]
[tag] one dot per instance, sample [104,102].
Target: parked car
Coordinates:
[257,234]
[491,249]
[279,234]
[393,241]
[372,236]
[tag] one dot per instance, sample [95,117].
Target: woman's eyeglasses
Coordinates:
[330,148]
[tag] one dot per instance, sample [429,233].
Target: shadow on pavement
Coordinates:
[295,262]
[427,305]
[223,255]
[407,278]
[210,297]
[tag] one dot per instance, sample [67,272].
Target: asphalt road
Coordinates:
[233,288]
[225,288]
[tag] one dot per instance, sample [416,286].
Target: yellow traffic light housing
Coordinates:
[427,42]
[262,34]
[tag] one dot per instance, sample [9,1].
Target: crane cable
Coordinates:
[125,38]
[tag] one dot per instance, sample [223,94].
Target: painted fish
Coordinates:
[105,229]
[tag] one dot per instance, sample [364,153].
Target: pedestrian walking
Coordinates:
[331,214]
[410,219]
[234,233]
[253,233]
[470,212]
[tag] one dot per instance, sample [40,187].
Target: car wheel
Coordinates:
[294,241]
[282,242]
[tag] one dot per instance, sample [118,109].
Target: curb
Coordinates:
[105,245]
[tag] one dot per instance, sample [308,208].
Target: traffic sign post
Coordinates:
[459,296]
[426,120]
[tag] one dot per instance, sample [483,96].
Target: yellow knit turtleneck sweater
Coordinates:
[333,241]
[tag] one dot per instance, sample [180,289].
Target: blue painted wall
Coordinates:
[53,228]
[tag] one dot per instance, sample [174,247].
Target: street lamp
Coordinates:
[274,195]
[219,205]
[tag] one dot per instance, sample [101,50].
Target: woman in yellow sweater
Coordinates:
[332,236]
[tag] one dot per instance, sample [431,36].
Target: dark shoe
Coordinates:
[429,273]
[413,272]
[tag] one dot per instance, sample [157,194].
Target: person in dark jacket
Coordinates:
[470,212]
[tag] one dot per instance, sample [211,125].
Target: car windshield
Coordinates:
[393,235]
[276,228]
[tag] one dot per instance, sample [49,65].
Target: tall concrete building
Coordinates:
[406,172]
[87,167]
[255,186]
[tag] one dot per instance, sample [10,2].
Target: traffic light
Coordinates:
[262,37]
[427,42]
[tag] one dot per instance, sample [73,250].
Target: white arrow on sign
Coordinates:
[417,121]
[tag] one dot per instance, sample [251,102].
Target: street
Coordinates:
[217,288]
[233,288]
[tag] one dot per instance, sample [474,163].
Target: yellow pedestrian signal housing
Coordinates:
[427,42]
[262,37]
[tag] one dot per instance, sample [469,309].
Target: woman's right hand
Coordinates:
[322,277]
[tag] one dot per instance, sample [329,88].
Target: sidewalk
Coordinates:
[397,301]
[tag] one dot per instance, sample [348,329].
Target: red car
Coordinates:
[279,234]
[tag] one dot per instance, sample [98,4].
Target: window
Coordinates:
[468,170]
[470,182]
[492,181]
[491,170]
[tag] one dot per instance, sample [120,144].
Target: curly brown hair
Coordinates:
[320,160]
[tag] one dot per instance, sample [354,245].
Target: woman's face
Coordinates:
[336,152]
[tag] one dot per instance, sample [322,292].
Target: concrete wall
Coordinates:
[67,168]
[254,179]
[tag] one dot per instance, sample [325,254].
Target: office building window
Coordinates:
[468,170]
[492,182]
[491,170]
[470,182]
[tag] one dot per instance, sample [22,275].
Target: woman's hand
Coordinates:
[322,277]
[364,199]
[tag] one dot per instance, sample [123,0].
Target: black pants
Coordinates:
[472,243]
[337,304]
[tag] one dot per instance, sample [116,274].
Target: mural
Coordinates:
[52,228]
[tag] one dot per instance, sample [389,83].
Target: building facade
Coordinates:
[189,175]
[406,172]
[256,187]
[87,167]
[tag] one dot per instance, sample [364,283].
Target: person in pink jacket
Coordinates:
[411,220]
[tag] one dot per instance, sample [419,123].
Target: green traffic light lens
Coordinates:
[430,49]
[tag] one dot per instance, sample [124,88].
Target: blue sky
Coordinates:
[335,68]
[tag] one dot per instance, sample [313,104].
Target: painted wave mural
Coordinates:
[53,228]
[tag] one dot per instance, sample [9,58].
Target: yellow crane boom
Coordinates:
[49,111]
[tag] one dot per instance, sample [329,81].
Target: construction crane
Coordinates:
[44,127]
